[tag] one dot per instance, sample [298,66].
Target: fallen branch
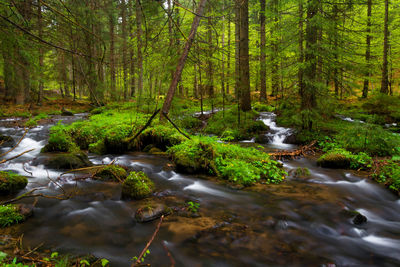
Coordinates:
[171,259]
[17,144]
[176,127]
[17,156]
[303,151]
[131,139]
[30,194]
[138,261]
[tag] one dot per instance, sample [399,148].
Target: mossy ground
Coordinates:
[111,173]
[11,182]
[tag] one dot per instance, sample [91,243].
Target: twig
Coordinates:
[131,139]
[176,127]
[23,136]
[17,156]
[23,167]
[171,259]
[148,243]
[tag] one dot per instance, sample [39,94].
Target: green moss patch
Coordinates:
[236,164]
[111,173]
[9,215]
[137,186]
[11,182]
[343,159]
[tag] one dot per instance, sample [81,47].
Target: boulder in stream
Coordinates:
[65,112]
[68,161]
[334,160]
[359,219]
[137,186]
[151,212]
[11,182]
[111,173]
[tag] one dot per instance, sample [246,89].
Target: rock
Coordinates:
[68,161]
[6,141]
[65,112]
[359,219]
[155,150]
[334,160]
[302,173]
[262,139]
[111,173]
[25,210]
[151,212]
[137,186]
[290,139]
[11,182]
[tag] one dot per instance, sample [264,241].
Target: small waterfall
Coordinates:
[277,135]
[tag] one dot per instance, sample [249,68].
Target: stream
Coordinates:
[301,222]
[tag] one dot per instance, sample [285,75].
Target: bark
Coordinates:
[385,76]
[275,49]
[40,33]
[263,66]
[111,21]
[308,100]
[301,50]
[139,33]
[182,59]
[237,64]
[245,101]
[368,51]
[229,54]
[210,80]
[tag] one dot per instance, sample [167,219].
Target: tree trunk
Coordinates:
[210,80]
[275,49]
[40,28]
[182,60]
[237,64]
[308,100]
[385,78]
[139,47]
[368,51]
[301,50]
[263,66]
[124,49]
[245,103]
[111,24]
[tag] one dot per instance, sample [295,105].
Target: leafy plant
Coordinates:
[193,206]
[9,215]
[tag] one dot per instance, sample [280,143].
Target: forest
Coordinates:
[199,133]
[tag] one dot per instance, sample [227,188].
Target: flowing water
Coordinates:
[302,222]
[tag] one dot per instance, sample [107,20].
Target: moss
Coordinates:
[11,182]
[334,160]
[98,148]
[388,173]
[239,165]
[68,161]
[137,186]
[9,215]
[60,141]
[111,173]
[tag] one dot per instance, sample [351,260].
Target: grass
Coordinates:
[9,215]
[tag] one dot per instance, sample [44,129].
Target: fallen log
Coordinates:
[302,151]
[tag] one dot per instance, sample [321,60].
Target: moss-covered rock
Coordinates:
[68,161]
[111,173]
[150,212]
[11,182]
[60,142]
[334,160]
[302,173]
[137,186]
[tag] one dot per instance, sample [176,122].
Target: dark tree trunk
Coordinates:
[368,52]
[301,50]
[182,60]
[245,101]
[385,76]
[139,47]
[263,65]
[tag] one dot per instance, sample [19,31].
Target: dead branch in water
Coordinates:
[302,151]
[17,144]
[138,261]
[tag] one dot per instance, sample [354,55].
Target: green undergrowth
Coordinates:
[32,122]
[9,215]
[388,173]
[234,163]
[137,186]
[225,125]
